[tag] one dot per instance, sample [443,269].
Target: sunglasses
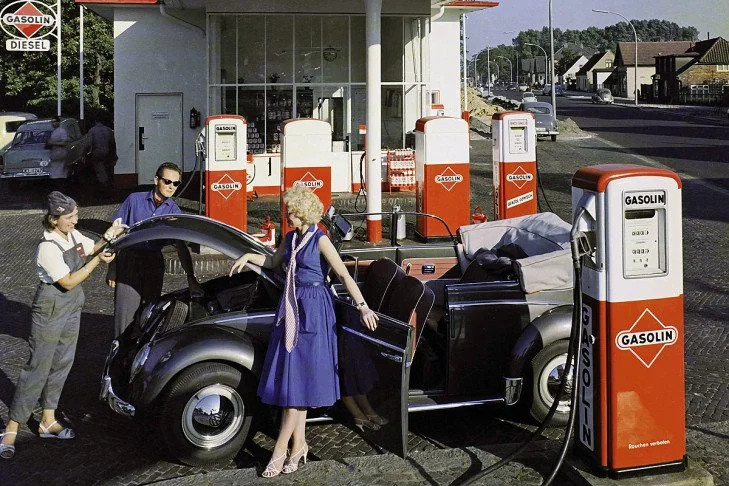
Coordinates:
[169,182]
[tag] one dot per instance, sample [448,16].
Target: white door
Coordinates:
[158,134]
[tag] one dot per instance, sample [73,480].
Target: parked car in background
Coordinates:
[603,96]
[9,123]
[28,155]
[546,123]
[523,87]
[547,89]
[528,96]
[559,89]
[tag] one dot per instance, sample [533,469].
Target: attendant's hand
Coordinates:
[368,318]
[115,230]
[106,256]
[240,265]
[111,283]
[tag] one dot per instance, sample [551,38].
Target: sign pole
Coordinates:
[81,63]
[58,56]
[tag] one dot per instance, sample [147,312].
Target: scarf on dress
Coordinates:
[291,315]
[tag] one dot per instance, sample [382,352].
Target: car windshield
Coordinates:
[12,126]
[31,136]
[604,92]
[539,110]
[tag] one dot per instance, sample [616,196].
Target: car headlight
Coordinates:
[43,163]
[138,362]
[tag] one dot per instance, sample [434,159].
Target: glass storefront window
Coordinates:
[252,107]
[279,107]
[358,42]
[279,48]
[335,53]
[392,121]
[308,49]
[251,49]
[392,49]
[269,68]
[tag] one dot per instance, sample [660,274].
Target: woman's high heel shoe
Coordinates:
[292,463]
[272,470]
[361,424]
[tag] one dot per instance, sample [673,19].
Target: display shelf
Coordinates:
[400,169]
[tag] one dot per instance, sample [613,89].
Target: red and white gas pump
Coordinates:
[630,407]
[442,175]
[514,164]
[306,159]
[225,170]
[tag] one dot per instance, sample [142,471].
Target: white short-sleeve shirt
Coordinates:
[50,266]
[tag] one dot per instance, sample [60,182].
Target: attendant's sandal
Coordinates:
[272,470]
[292,463]
[65,432]
[7,451]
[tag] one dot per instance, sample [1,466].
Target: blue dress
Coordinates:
[308,375]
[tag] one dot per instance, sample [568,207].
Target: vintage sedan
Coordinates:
[546,122]
[29,157]
[603,96]
[483,319]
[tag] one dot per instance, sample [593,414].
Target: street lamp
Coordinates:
[551,64]
[635,35]
[511,69]
[497,68]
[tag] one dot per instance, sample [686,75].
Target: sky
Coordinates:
[492,26]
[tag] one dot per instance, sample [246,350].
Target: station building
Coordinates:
[271,60]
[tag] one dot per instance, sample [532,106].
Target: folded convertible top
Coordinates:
[544,237]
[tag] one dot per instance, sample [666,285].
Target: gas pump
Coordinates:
[514,164]
[306,159]
[442,175]
[225,170]
[630,404]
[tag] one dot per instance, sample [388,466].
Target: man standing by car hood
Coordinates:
[137,274]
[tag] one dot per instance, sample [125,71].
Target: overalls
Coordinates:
[56,315]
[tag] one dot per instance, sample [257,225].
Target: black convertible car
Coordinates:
[482,319]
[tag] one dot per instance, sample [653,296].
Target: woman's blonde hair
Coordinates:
[304,204]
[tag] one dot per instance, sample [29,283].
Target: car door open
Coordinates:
[374,369]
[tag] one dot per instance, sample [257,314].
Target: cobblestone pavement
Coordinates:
[112,450]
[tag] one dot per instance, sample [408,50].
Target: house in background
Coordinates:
[622,80]
[700,75]
[591,76]
[569,77]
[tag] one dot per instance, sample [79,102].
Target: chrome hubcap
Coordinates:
[213,416]
[550,380]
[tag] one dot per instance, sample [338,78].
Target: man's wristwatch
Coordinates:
[362,304]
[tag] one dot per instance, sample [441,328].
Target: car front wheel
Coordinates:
[548,368]
[207,413]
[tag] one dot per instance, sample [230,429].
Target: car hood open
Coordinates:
[204,231]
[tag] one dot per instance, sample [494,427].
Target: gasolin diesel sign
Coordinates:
[27,22]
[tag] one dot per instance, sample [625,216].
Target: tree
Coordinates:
[565,62]
[28,79]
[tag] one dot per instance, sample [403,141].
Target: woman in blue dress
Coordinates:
[300,368]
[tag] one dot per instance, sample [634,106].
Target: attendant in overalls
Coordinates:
[300,368]
[64,259]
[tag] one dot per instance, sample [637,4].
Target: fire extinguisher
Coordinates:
[478,216]
[269,232]
[194,118]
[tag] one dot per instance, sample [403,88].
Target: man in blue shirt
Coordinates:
[136,274]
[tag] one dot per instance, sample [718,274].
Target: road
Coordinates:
[690,146]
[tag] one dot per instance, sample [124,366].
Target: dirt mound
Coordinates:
[569,127]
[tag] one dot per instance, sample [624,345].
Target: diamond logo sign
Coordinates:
[448,178]
[27,18]
[310,181]
[226,186]
[647,338]
[519,177]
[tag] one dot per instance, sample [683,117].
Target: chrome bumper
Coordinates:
[107,392]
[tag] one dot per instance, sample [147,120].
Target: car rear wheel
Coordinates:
[206,416]
[548,368]
[554,138]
